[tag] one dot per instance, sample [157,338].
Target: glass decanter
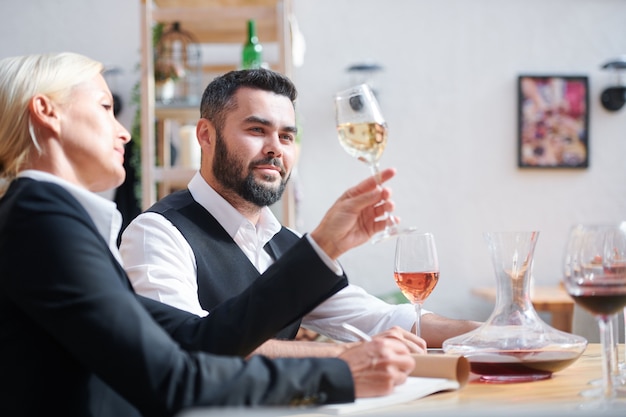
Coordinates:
[515,344]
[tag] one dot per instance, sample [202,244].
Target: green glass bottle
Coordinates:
[252,56]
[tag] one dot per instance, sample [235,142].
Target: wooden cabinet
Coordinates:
[212,22]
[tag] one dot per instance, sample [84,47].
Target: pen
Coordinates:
[359,333]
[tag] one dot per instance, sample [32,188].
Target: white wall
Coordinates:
[449,94]
[107,31]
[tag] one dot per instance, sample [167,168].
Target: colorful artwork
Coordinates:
[553,121]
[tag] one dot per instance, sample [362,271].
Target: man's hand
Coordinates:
[352,220]
[414,343]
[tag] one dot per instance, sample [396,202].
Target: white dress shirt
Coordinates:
[161,265]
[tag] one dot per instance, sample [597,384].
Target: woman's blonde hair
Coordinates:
[21,78]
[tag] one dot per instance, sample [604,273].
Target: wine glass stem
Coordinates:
[376,173]
[418,319]
[622,366]
[608,355]
[614,330]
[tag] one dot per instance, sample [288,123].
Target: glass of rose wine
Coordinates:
[595,277]
[362,133]
[416,269]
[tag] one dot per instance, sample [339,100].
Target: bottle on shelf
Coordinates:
[252,55]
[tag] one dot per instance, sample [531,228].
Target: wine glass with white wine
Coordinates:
[363,134]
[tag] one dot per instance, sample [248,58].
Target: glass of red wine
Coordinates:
[595,277]
[416,269]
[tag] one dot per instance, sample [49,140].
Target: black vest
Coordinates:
[223,269]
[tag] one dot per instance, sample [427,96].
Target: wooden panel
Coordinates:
[557,396]
[221,21]
[202,3]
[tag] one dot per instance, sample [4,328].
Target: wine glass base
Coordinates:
[597,382]
[591,393]
[512,379]
[391,232]
[619,383]
[614,406]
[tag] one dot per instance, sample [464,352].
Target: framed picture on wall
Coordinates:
[553,115]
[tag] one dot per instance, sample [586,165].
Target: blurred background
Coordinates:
[447,85]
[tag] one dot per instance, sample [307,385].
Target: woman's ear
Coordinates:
[43,112]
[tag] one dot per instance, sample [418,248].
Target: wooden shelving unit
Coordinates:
[211,22]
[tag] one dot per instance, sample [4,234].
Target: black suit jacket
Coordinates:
[76,340]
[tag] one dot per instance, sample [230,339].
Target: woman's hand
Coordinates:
[378,366]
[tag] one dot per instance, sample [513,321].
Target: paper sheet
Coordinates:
[412,389]
[432,373]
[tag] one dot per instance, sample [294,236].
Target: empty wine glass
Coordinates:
[416,269]
[595,277]
[362,133]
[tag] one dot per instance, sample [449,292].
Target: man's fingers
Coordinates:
[414,343]
[370,183]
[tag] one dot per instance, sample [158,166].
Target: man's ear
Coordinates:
[205,131]
[43,112]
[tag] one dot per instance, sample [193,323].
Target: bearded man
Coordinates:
[196,248]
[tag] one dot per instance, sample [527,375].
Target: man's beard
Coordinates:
[227,169]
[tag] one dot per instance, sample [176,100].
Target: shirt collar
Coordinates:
[103,212]
[228,216]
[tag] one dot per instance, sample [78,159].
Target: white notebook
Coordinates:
[412,389]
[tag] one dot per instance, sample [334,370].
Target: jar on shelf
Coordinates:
[177,67]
